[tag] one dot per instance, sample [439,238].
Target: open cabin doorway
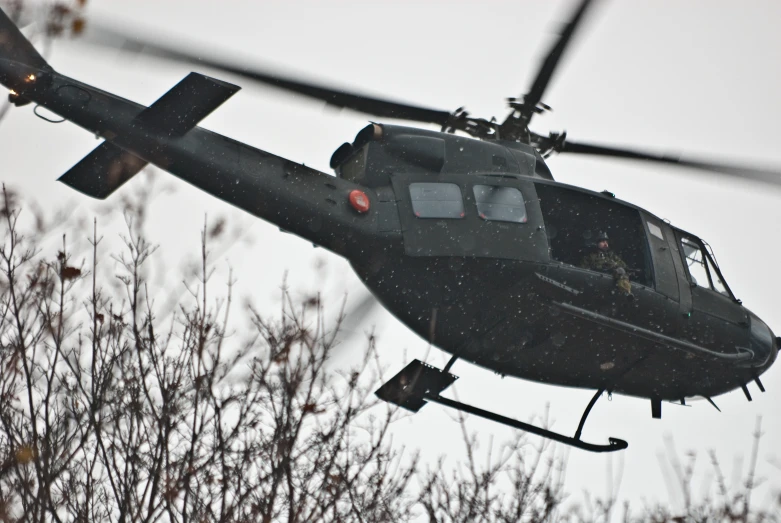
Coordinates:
[573,220]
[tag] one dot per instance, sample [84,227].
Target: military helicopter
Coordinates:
[462,233]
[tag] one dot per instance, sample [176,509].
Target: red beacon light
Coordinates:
[359,201]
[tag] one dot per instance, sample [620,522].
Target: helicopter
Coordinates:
[436,223]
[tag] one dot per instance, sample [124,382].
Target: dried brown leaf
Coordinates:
[69,273]
[77,26]
[25,454]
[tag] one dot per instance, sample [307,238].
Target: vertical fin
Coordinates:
[16,47]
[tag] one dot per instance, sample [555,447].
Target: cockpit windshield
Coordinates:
[702,268]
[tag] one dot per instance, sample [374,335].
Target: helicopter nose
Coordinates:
[763,342]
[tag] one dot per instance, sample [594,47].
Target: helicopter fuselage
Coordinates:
[470,243]
[486,265]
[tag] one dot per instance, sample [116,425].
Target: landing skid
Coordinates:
[419,382]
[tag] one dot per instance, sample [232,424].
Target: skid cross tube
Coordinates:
[614,445]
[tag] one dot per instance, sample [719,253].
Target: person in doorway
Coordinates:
[603,259]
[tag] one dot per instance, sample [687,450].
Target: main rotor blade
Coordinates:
[331,95]
[741,171]
[354,317]
[548,67]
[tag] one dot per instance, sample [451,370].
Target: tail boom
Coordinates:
[294,197]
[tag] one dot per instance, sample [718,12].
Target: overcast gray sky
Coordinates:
[688,76]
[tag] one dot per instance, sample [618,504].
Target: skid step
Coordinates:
[407,388]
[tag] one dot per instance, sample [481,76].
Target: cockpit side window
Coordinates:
[695,261]
[702,270]
[436,200]
[716,282]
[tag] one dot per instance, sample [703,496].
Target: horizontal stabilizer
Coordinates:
[186,104]
[103,171]
[175,113]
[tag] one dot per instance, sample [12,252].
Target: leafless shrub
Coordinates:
[109,412]
[524,482]
[720,502]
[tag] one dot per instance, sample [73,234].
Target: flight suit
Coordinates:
[609,262]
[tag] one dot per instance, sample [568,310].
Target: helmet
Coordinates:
[601,235]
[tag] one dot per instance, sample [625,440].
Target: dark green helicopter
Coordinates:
[466,238]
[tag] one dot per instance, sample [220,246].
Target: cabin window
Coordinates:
[702,270]
[436,200]
[498,203]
